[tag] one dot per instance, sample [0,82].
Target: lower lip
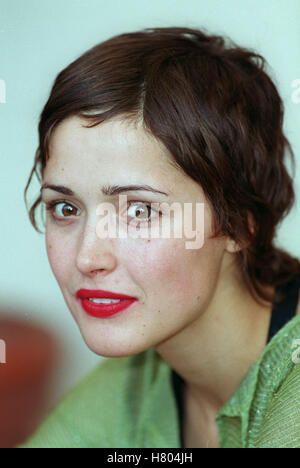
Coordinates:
[105,310]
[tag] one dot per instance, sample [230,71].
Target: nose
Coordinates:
[95,254]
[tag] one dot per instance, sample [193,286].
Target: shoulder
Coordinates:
[281,424]
[274,415]
[104,407]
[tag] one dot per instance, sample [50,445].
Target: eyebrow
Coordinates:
[109,190]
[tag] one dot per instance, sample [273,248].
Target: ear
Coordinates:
[232,246]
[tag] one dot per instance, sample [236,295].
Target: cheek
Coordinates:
[161,267]
[177,276]
[59,254]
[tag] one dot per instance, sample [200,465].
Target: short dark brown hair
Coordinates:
[217,111]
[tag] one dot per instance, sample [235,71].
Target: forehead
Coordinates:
[116,151]
[112,142]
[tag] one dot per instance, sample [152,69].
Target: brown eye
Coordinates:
[66,211]
[142,212]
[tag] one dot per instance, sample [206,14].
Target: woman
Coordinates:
[199,340]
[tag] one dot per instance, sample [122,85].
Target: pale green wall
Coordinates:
[40,37]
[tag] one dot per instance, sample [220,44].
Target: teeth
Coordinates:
[104,301]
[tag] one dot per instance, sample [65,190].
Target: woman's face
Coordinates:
[173,284]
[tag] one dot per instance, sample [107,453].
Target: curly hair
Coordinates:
[214,107]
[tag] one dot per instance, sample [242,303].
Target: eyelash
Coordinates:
[51,205]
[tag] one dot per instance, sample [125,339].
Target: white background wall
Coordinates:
[40,37]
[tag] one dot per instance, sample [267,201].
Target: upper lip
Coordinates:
[99,293]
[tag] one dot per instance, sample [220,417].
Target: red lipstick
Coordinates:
[103,310]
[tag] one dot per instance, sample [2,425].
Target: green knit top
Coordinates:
[130,402]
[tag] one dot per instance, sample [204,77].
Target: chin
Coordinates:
[112,349]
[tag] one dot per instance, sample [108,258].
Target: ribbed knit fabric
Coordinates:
[264,412]
[130,402]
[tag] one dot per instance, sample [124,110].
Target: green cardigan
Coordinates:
[130,402]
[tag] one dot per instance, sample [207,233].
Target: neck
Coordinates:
[214,353]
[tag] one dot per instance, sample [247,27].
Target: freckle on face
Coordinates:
[161,272]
